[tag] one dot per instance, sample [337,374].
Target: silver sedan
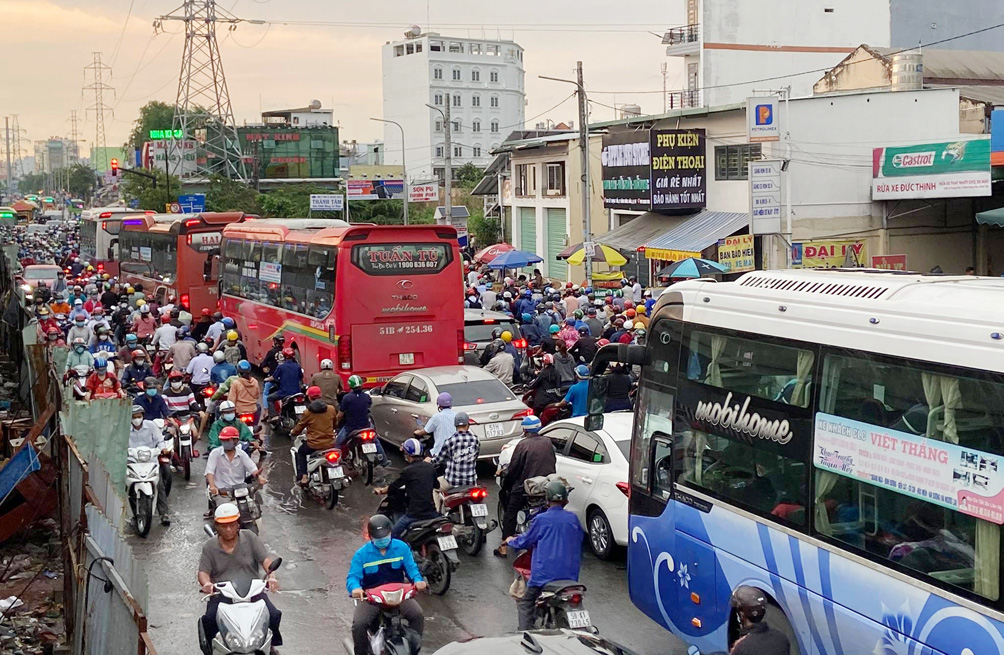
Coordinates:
[408,400]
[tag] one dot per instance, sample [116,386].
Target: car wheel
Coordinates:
[601,537]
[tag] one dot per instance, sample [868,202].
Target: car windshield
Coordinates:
[478,392]
[483,331]
[39,273]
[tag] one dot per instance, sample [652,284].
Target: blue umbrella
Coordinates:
[692,267]
[514,259]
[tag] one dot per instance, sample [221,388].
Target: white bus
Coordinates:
[99,235]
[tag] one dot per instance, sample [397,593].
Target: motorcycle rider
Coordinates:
[78,355]
[288,379]
[416,481]
[137,371]
[501,364]
[151,401]
[271,361]
[354,411]
[529,330]
[384,560]
[556,540]
[459,456]
[242,390]
[201,326]
[80,330]
[228,466]
[163,338]
[546,386]
[228,419]
[441,425]
[533,456]
[222,370]
[585,348]
[103,345]
[215,330]
[578,393]
[199,369]
[145,433]
[235,554]
[103,382]
[328,382]
[758,638]
[144,324]
[178,396]
[182,351]
[319,421]
[233,350]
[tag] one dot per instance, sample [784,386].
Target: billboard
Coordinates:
[737,254]
[889,262]
[375,189]
[829,254]
[765,196]
[997,137]
[181,156]
[327,202]
[627,170]
[762,122]
[679,169]
[423,192]
[958,169]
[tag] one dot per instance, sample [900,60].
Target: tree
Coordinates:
[468,176]
[82,180]
[485,229]
[134,187]
[154,115]
[226,195]
[31,183]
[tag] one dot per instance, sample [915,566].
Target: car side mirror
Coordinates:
[594,422]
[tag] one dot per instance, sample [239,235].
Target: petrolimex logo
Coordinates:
[764,115]
[913,159]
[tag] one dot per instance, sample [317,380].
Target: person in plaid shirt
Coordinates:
[459,455]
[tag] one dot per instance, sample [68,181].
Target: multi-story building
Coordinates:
[481,79]
[730,48]
[55,153]
[292,145]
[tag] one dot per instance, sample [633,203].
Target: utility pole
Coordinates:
[99,107]
[404,168]
[664,68]
[448,128]
[74,135]
[10,177]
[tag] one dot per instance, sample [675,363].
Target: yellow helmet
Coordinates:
[140,302]
[507,336]
[640,309]
[232,335]
[131,290]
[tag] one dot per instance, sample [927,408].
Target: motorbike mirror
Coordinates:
[274,565]
[209,530]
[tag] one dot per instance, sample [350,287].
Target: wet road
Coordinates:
[316,546]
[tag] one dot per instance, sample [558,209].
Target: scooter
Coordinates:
[431,542]
[245,496]
[325,476]
[142,477]
[183,433]
[465,507]
[288,412]
[361,453]
[560,602]
[392,636]
[243,622]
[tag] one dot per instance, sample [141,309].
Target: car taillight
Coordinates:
[470,346]
[523,414]
[333,456]
[625,488]
[519,343]
[185,301]
[478,493]
[446,528]
[367,435]
[345,353]
[461,346]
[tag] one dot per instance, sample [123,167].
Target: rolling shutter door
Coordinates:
[528,229]
[557,232]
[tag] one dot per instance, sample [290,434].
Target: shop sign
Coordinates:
[829,254]
[627,170]
[997,137]
[958,169]
[737,254]
[889,262]
[327,202]
[762,123]
[423,192]
[940,472]
[679,168]
[765,196]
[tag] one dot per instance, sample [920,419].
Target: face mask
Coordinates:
[151,392]
[382,543]
[140,362]
[79,349]
[176,384]
[103,337]
[229,445]
[137,421]
[229,416]
[79,323]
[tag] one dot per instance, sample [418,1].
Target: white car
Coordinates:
[596,465]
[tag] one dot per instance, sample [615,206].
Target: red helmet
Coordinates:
[288,353]
[205,311]
[229,432]
[313,392]
[602,342]
[166,318]
[139,352]
[568,285]
[52,329]
[628,304]
[175,374]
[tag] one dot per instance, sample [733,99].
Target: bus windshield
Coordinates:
[150,254]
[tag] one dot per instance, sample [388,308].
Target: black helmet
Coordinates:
[279,338]
[749,602]
[556,491]
[461,418]
[379,526]
[496,333]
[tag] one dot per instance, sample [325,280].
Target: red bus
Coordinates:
[175,254]
[376,300]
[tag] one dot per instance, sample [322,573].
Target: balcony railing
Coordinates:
[681,35]
[683,99]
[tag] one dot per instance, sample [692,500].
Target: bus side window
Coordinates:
[662,465]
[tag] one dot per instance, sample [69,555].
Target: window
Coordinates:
[934,434]
[437,99]
[494,76]
[439,124]
[555,181]
[439,151]
[654,415]
[494,101]
[435,46]
[475,100]
[410,48]
[458,151]
[418,47]
[397,387]
[456,75]
[587,448]
[559,437]
[662,462]
[732,162]
[456,126]
[476,151]
[475,75]
[476,125]
[493,50]
[398,50]
[456,99]
[523,188]
[150,254]
[418,392]
[456,46]
[475,48]
[437,73]
[495,127]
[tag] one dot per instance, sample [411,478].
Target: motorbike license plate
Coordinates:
[494,430]
[578,619]
[480,509]
[449,542]
[300,409]
[335,472]
[406,359]
[186,442]
[369,448]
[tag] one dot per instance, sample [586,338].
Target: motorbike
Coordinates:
[243,622]
[535,502]
[360,451]
[288,412]
[431,541]
[392,636]
[465,507]
[325,476]
[560,602]
[142,477]
[245,496]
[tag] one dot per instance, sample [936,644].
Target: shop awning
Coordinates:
[991,217]
[695,233]
[638,232]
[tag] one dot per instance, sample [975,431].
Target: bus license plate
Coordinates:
[578,619]
[369,448]
[494,430]
[449,542]
[479,509]
[406,359]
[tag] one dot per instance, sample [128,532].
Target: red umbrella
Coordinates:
[491,252]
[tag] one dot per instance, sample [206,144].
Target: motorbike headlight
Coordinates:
[143,455]
[186,428]
[393,598]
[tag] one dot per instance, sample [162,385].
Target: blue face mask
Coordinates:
[151,392]
[382,543]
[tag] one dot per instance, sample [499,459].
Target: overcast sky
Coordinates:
[48,42]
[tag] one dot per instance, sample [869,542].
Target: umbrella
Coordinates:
[514,259]
[577,254]
[692,267]
[485,255]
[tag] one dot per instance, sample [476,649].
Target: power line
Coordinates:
[625,28]
[118,44]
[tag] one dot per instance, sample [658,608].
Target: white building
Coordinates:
[312,115]
[482,80]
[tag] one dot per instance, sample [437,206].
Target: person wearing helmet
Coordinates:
[458,457]
[585,348]
[529,330]
[199,369]
[222,370]
[271,360]
[178,396]
[329,382]
[578,393]
[152,401]
[287,379]
[102,383]
[109,297]
[641,317]
[594,324]
[235,554]
[138,369]
[144,324]
[502,364]
[414,486]
[232,347]
[547,385]
[228,466]
[59,305]
[354,411]
[214,333]
[201,326]
[319,422]
[757,638]
[533,456]
[228,419]
[79,329]
[568,333]
[440,425]
[163,338]
[243,391]
[181,353]
[615,330]
[382,560]
[54,337]
[526,305]
[144,433]
[103,345]
[556,540]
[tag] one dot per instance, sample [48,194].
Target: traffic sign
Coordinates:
[334,202]
[194,203]
[175,208]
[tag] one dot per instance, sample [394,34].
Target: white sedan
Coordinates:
[596,465]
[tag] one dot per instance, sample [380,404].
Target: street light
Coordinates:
[404,168]
[447,129]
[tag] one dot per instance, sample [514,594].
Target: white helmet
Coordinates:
[226,406]
[227,513]
[218,356]
[628,325]
[327,365]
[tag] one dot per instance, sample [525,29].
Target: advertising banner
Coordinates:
[423,192]
[375,189]
[737,254]
[889,262]
[627,170]
[270,272]
[829,254]
[940,472]
[997,137]
[765,196]
[181,156]
[762,122]
[959,169]
[679,168]
[327,202]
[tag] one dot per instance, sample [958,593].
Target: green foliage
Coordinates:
[288,202]
[82,181]
[154,115]
[468,176]
[226,195]
[31,183]
[485,229]
[141,188]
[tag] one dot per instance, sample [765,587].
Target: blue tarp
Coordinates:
[24,463]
